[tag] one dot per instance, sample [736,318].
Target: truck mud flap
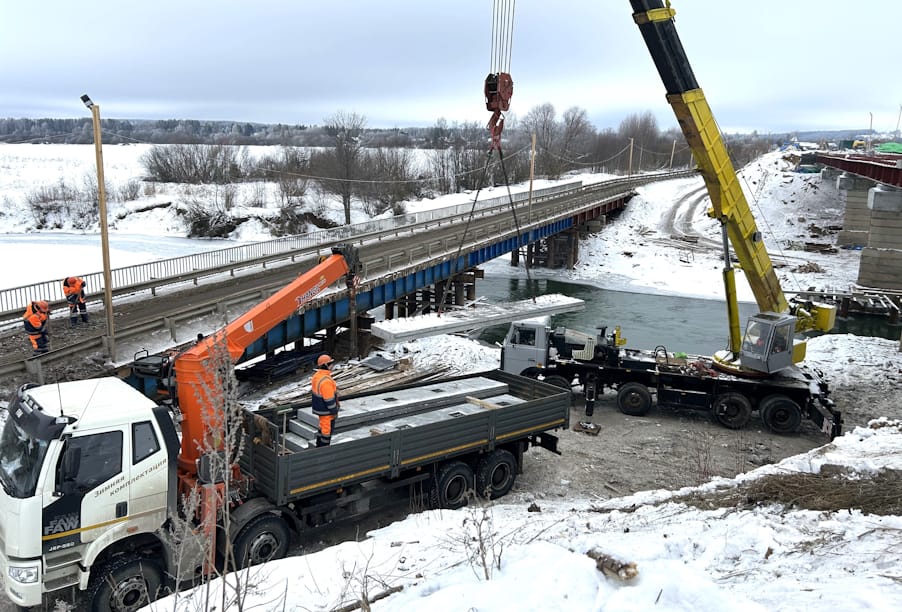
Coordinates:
[547,441]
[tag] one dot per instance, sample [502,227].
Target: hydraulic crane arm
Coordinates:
[197,370]
[729,204]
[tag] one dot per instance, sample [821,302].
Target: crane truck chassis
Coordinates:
[566,357]
[90,483]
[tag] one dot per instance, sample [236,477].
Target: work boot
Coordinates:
[84,317]
[73,322]
[322,440]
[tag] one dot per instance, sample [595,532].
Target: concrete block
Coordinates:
[853,182]
[884,198]
[852,237]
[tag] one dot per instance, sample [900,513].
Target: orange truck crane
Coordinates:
[96,478]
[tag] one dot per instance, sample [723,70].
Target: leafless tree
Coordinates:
[541,121]
[342,166]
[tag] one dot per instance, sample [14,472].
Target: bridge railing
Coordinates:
[158,273]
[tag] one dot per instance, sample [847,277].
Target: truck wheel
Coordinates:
[732,410]
[124,584]
[634,399]
[558,381]
[780,414]
[453,485]
[496,474]
[263,539]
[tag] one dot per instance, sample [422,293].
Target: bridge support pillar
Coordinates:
[881,261]
[853,193]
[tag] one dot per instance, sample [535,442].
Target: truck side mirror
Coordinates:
[68,470]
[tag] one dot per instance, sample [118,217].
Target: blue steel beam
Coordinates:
[335,312]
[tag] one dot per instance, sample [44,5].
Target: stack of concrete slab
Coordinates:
[402,408]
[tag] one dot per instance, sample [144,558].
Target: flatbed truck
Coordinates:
[91,485]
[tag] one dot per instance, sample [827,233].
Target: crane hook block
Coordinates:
[499,87]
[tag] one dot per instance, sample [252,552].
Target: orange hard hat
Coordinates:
[323,360]
[42,305]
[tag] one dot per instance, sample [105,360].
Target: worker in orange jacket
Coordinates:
[74,290]
[325,399]
[36,318]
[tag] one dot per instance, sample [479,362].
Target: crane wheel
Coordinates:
[780,414]
[732,410]
[634,399]
[558,381]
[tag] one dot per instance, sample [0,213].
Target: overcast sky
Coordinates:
[770,65]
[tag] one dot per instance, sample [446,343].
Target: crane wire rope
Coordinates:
[502,45]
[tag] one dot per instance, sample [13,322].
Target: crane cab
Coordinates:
[768,344]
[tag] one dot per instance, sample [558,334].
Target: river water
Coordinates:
[690,325]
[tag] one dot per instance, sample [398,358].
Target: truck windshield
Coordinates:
[21,456]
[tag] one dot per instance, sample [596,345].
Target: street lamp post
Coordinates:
[104,234]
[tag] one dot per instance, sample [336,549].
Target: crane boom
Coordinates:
[196,369]
[728,202]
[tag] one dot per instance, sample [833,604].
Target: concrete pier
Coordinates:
[881,259]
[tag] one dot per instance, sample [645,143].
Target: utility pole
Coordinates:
[630,171]
[104,234]
[532,172]
[899,118]
[672,151]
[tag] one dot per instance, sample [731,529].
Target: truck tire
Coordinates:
[124,584]
[634,399]
[732,410]
[558,381]
[780,414]
[263,539]
[453,485]
[496,474]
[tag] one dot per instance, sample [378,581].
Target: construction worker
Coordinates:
[36,317]
[74,290]
[325,399]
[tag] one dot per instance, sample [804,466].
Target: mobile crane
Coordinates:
[757,371]
[769,343]
[97,480]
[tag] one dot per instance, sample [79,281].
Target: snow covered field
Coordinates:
[770,556]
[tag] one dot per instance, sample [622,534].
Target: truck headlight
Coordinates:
[24,575]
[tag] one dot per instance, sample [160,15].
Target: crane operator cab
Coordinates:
[768,342]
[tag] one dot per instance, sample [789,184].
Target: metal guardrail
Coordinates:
[299,246]
[158,273]
[179,269]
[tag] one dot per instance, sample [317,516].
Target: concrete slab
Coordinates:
[477,317]
[383,406]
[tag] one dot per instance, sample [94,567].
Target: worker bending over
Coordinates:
[74,290]
[325,399]
[36,317]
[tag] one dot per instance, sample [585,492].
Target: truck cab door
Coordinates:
[90,492]
[149,486]
[525,347]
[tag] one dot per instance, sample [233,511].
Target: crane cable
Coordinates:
[502,35]
[502,45]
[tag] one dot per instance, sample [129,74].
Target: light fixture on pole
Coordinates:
[104,234]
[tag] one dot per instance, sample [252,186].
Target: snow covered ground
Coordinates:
[770,556]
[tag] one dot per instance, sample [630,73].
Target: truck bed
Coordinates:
[386,433]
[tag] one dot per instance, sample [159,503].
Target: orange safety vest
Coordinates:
[35,320]
[325,393]
[73,286]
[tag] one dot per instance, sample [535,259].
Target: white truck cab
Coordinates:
[85,468]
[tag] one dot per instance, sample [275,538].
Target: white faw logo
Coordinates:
[61,524]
